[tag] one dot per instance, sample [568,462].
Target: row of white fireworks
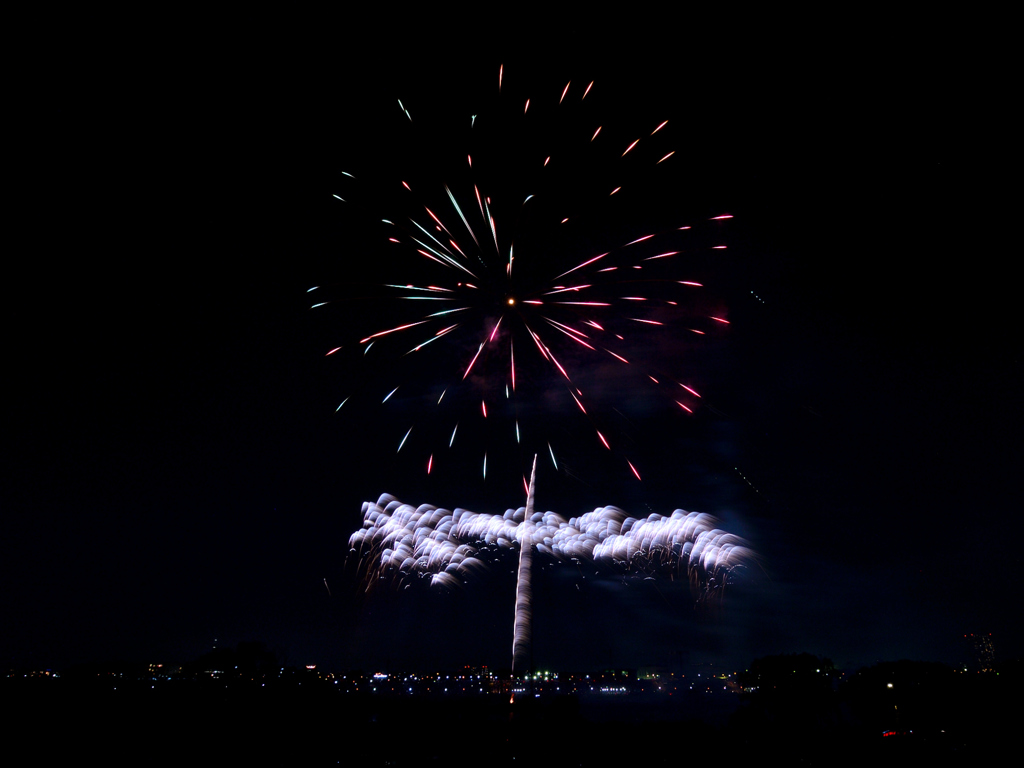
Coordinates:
[398,541]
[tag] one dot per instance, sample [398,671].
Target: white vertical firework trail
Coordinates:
[522,629]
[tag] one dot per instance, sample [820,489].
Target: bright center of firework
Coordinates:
[511,301]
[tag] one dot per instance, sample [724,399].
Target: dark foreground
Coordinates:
[134,722]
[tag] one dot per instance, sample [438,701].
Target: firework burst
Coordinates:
[508,297]
[399,542]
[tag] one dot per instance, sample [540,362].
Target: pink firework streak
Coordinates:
[472,270]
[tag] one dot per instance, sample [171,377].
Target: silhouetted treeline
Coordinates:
[799,708]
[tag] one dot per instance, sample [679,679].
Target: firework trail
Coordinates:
[513,285]
[522,630]
[398,542]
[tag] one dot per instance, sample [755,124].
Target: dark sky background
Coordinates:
[174,472]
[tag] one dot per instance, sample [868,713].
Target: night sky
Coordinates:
[175,474]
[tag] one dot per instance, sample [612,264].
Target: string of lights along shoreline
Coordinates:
[499,280]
